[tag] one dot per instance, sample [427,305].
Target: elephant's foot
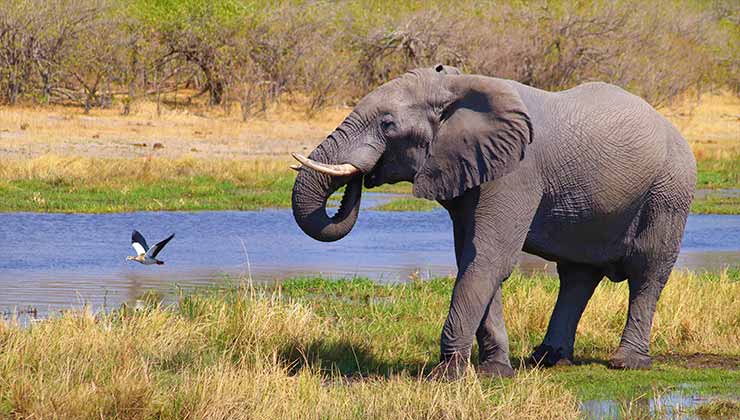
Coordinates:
[627,359]
[494,369]
[546,355]
[451,368]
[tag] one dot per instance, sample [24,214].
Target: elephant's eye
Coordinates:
[387,125]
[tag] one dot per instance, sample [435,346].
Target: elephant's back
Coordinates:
[602,149]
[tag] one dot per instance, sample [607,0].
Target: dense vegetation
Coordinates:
[251,53]
[356,349]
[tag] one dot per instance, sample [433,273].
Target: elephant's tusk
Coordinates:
[345,169]
[295,167]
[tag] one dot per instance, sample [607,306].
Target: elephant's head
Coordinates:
[443,131]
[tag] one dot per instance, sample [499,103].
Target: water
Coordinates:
[676,405]
[58,261]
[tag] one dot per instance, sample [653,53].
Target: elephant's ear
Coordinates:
[483,131]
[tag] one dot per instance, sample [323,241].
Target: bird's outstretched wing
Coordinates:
[156,248]
[139,243]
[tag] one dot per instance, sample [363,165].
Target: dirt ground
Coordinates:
[710,124]
[64,131]
[701,361]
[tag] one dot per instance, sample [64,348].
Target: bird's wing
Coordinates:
[154,250]
[139,243]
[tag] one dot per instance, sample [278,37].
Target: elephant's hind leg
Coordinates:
[493,342]
[648,269]
[577,285]
[645,289]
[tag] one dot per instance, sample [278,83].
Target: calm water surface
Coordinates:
[677,405]
[58,261]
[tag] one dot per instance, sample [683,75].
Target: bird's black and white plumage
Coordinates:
[146,255]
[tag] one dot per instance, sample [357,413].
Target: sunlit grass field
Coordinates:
[315,348]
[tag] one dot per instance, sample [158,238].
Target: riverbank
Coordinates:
[193,158]
[315,348]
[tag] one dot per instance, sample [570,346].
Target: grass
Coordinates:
[408,204]
[197,193]
[90,185]
[716,205]
[315,348]
[719,173]
[179,126]
[719,409]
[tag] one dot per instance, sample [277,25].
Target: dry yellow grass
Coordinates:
[183,131]
[711,124]
[120,171]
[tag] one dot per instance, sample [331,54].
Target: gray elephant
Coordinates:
[592,178]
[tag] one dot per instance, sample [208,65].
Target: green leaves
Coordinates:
[195,15]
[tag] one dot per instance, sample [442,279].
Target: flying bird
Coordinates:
[146,255]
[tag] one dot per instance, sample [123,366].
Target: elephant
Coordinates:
[592,178]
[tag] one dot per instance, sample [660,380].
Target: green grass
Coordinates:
[408,204]
[595,381]
[716,205]
[321,348]
[398,188]
[718,173]
[196,193]
[263,189]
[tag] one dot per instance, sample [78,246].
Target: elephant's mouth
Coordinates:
[371,180]
[375,178]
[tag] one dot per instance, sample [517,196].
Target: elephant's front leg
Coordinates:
[474,291]
[490,228]
[493,341]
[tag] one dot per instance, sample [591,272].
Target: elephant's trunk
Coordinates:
[313,188]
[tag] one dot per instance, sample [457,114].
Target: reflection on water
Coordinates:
[53,261]
[678,405]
